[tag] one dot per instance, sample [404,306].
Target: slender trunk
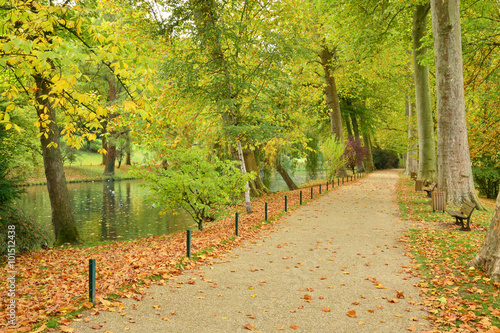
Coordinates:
[128,149]
[347,122]
[286,177]
[332,98]
[411,162]
[369,155]
[355,126]
[104,144]
[248,203]
[427,150]
[488,257]
[454,164]
[62,213]
[109,170]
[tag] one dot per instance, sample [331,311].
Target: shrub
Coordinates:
[385,159]
[487,180]
[28,234]
[333,150]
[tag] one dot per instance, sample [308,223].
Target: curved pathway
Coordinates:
[337,264]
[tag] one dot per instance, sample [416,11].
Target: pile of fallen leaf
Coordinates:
[53,283]
[458,298]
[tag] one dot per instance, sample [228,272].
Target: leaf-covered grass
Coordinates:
[458,298]
[57,278]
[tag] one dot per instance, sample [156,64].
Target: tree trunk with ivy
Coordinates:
[488,257]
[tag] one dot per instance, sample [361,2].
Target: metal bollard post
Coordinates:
[311,192]
[92,280]
[236,224]
[319,188]
[301,197]
[286,203]
[188,243]
[266,212]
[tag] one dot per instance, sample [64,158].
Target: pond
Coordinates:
[107,211]
[118,210]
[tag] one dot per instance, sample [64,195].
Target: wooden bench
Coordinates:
[429,188]
[464,214]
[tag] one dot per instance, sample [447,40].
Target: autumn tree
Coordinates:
[454,162]
[43,45]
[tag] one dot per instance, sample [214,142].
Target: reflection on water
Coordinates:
[117,210]
[107,210]
[275,182]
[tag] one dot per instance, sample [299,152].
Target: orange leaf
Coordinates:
[294,327]
[325,309]
[412,328]
[249,327]
[88,305]
[352,314]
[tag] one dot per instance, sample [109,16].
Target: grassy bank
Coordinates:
[459,299]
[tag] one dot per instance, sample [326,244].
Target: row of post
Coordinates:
[92,262]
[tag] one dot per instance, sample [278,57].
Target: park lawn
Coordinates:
[458,298]
[52,284]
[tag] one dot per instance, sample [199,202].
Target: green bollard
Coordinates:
[301,197]
[188,243]
[236,224]
[286,203]
[92,280]
[311,192]
[319,188]
[266,213]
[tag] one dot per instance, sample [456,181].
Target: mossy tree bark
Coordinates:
[454,163]
[411,160]
[427,167]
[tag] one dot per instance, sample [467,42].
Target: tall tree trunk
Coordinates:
[411,161]
[257,187]
[206,20]
[488,257]
[332,98]
[369,155]
[355,126]
[348,127]
[62,213]
[128,149]
[248,203]
[104,144]
[109,170]
[286,177]
[427,167]
[454,164]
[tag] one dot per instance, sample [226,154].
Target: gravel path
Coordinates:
[336,264]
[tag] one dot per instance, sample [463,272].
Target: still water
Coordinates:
[107,211]
[119,210]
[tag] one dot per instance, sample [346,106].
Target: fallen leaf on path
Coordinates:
[294,327]
[66,329]
[249,327]
[351,314]
[412,328]
[325,309]
[361,322]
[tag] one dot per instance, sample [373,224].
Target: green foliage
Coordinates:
[487,180]
[333,150]
[385,159]
[196,180]
[314,157]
